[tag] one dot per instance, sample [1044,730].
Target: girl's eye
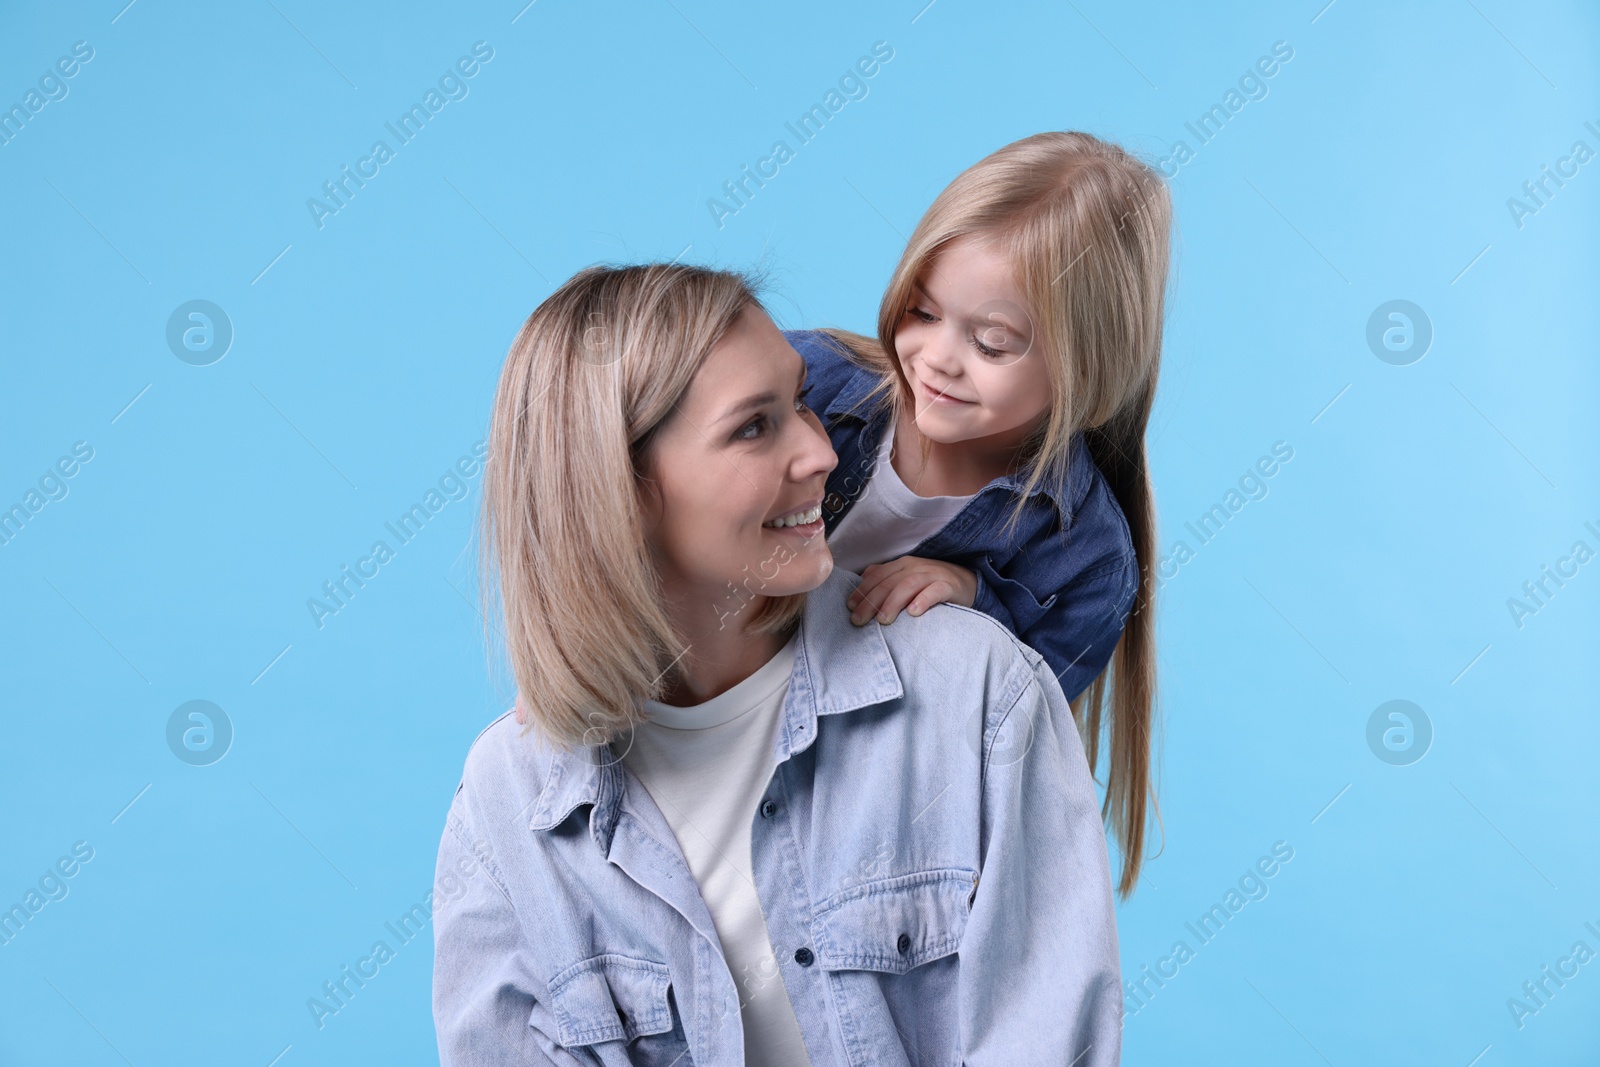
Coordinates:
[983,348]
[928,317]
[800,401]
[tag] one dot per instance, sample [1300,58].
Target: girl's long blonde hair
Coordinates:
[1087,227]
[594,371]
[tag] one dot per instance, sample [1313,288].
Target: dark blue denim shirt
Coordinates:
[1063,581]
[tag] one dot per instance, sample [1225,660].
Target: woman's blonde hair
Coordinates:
[1086,226]
[593,373]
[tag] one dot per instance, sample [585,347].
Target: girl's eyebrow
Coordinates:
[996,317]
[1005,322]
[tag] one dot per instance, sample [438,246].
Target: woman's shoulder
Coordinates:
[505,765]
[949,652]
[977,639]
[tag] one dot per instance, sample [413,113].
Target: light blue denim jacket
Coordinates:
[929,857]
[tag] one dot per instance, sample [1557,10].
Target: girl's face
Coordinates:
[740,452]
[966,345]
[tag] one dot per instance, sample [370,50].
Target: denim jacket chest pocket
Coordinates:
[896,924]
[621,1008]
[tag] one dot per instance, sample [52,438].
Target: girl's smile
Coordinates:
[940,397]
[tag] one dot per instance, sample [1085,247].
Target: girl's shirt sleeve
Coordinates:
[1067,596]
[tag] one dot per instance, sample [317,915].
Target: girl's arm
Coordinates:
[1075,628]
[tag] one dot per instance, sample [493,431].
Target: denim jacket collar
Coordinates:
[860,672]
[861,383]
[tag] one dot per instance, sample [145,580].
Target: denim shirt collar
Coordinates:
[861,383]
[860,672]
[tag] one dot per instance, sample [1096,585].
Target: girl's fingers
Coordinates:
[863,605]
[866,597]
[932,593]
[896,599]
[861,600]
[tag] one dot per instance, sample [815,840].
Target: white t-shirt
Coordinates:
[707,767]
[888,520]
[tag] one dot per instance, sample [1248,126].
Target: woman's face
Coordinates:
[966,345]
[741,452]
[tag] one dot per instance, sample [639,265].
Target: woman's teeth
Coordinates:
[799,518]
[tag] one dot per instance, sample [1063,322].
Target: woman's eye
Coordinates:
[756,428]
[921,315]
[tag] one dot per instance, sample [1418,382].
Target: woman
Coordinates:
[738,829]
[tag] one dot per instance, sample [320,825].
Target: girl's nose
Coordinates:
[942,355]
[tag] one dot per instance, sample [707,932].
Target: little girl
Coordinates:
[1016,360]
[998,419]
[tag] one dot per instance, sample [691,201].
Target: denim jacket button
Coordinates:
[904,944]
[803,956]
[768,809]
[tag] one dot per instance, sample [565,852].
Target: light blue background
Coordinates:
[1418,500]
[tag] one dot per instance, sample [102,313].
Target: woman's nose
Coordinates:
[816,455]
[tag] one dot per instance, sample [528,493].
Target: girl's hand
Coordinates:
[911,583]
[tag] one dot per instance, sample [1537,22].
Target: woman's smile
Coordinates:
[807,521]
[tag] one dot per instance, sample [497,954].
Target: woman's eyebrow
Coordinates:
[747,403]
[758,400]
